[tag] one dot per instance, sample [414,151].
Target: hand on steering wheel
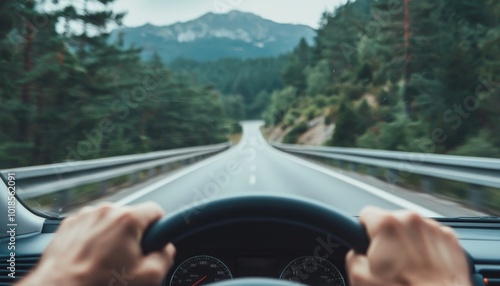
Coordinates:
[402,236]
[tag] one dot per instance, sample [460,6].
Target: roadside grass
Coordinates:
[235,138]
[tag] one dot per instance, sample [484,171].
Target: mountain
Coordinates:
[214,36]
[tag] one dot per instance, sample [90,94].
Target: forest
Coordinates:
[404,75]
[73,95]
[246,84]
[420,76]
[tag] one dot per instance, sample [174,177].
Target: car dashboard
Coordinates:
[267,249]
[259,250]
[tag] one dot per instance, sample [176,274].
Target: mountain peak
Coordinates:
[242,13]
[233,16]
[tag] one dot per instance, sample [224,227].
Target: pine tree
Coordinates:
[294,74]
[344,134]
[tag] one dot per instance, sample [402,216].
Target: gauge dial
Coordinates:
[312,270]
[200,270]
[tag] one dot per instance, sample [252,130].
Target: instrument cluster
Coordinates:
[206,269]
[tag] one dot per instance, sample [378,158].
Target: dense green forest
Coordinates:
[399,75]
[418,76]
[246,84]
[71,95]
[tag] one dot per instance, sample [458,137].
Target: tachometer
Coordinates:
[200,270]
[312,270]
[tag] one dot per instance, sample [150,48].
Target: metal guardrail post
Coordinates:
[151,172]
[475,196]
[164,168]
[353,167]
[392,177]
[134,178]
[428,184]
[372,171]
[341,164]
[104,187]
[62,199]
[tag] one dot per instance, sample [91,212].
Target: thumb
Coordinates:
[155,266]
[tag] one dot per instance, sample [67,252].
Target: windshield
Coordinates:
[391,103]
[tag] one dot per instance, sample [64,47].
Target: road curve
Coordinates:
[253,166]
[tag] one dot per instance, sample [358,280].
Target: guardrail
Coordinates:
[58,179]
[476,172]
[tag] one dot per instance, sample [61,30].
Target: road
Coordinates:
[253,166]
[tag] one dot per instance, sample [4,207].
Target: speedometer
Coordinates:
[200,270]
[312,270]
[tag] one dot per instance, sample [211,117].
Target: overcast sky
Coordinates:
[164,12]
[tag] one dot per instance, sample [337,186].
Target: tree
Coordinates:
[294,74]
[344,134]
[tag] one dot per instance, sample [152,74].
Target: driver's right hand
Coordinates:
[407,249]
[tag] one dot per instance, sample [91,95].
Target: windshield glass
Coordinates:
[392,103]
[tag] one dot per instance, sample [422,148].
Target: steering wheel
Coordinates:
[263,208]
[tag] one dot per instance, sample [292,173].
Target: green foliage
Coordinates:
[311,112]
[233,107]
[333,112]
[364,116]
[280,104]
[293,136]
[289,119]
[75,96]
[317,78]
[345,126]
[320,101]
[365,74]
[236,128]
[352,91]
[294,73]
[252,79]
[388,98]
[441,78]
[480,145]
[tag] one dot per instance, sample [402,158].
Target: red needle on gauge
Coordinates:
[199,281]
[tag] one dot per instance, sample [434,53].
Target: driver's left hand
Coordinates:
[101,246]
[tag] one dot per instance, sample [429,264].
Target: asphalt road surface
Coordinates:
[253,166]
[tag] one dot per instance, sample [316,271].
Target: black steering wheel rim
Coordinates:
[289,209]
[233,209]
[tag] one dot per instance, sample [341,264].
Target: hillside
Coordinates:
[215,36]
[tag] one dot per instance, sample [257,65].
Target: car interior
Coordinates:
[250,236]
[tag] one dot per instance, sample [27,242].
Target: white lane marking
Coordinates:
[252,179]
[252,168]
[364,186]
[153,187]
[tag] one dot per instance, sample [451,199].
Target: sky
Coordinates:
[165,12]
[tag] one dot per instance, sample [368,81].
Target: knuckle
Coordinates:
[126,217]
[389,222]
[105,209]
[349,257]
[449,234]
[412,219]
